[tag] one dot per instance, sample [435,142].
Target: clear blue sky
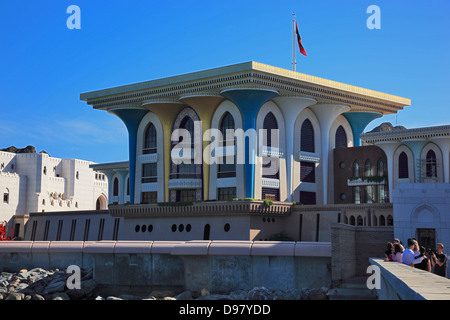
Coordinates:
[44,66]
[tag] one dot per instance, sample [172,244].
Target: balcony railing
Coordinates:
[216,208]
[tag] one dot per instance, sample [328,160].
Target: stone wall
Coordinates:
[219,266]
[351,248]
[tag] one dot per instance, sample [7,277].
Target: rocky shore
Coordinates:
[41,284]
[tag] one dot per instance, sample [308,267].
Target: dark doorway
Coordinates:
[206,232]
[426,238]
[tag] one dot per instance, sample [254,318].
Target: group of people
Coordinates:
[418,257]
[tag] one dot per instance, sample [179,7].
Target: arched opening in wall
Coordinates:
[382,221]
[307,137]
[431,165]
[226,169]
[100,204]
[206,232]
[359,221]
[150,140]
[403,166]
[390,221]
[116,187]
[352,220]
[270,165]
[341,138]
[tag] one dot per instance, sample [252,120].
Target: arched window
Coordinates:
[368,168]
[307,137]
[270,167]
[188,124]
[359,221]
[270,123]
[116,187]
[381,168]
[150,140]
[403,166]
[356,169]
[431,165]
[227,123]
[341,138]
[227,170]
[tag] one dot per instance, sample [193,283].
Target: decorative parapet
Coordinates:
[216,208]
[408,134]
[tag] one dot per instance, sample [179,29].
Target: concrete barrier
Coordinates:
[219,266]
[401,282]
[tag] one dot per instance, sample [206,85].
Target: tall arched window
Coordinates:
[340,138]
[307,137]
[227,123]
[116,187]
[227,170]
[270,123]
[271,165]
[368,168]
[381,168]
[431,165]
[356,169]
[403,166]
[150,140]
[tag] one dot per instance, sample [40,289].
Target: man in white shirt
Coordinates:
[408,256]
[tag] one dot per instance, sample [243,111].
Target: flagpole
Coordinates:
[293,42]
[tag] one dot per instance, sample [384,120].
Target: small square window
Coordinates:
[6,198]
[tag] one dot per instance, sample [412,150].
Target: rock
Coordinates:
[259,293]
[37,297]
[317,294]
[185,295]
[169,298]
[86,289]
[113,298]
[55,286]
[15,296]
[204,292]
[161,294]
[60,296]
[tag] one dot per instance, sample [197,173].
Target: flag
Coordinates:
[299,39]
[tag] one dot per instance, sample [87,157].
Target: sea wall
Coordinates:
[219,266]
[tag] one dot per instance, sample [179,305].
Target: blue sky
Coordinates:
[44,66]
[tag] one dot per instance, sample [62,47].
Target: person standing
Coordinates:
[408,256]
[439,261]
[425,264]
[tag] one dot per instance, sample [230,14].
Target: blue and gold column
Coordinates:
[359,121]
[131,117]
[249,101]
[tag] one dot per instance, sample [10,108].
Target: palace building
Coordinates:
[264,152]
[313,116]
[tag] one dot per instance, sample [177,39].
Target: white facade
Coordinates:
[36,182]
[419,182]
